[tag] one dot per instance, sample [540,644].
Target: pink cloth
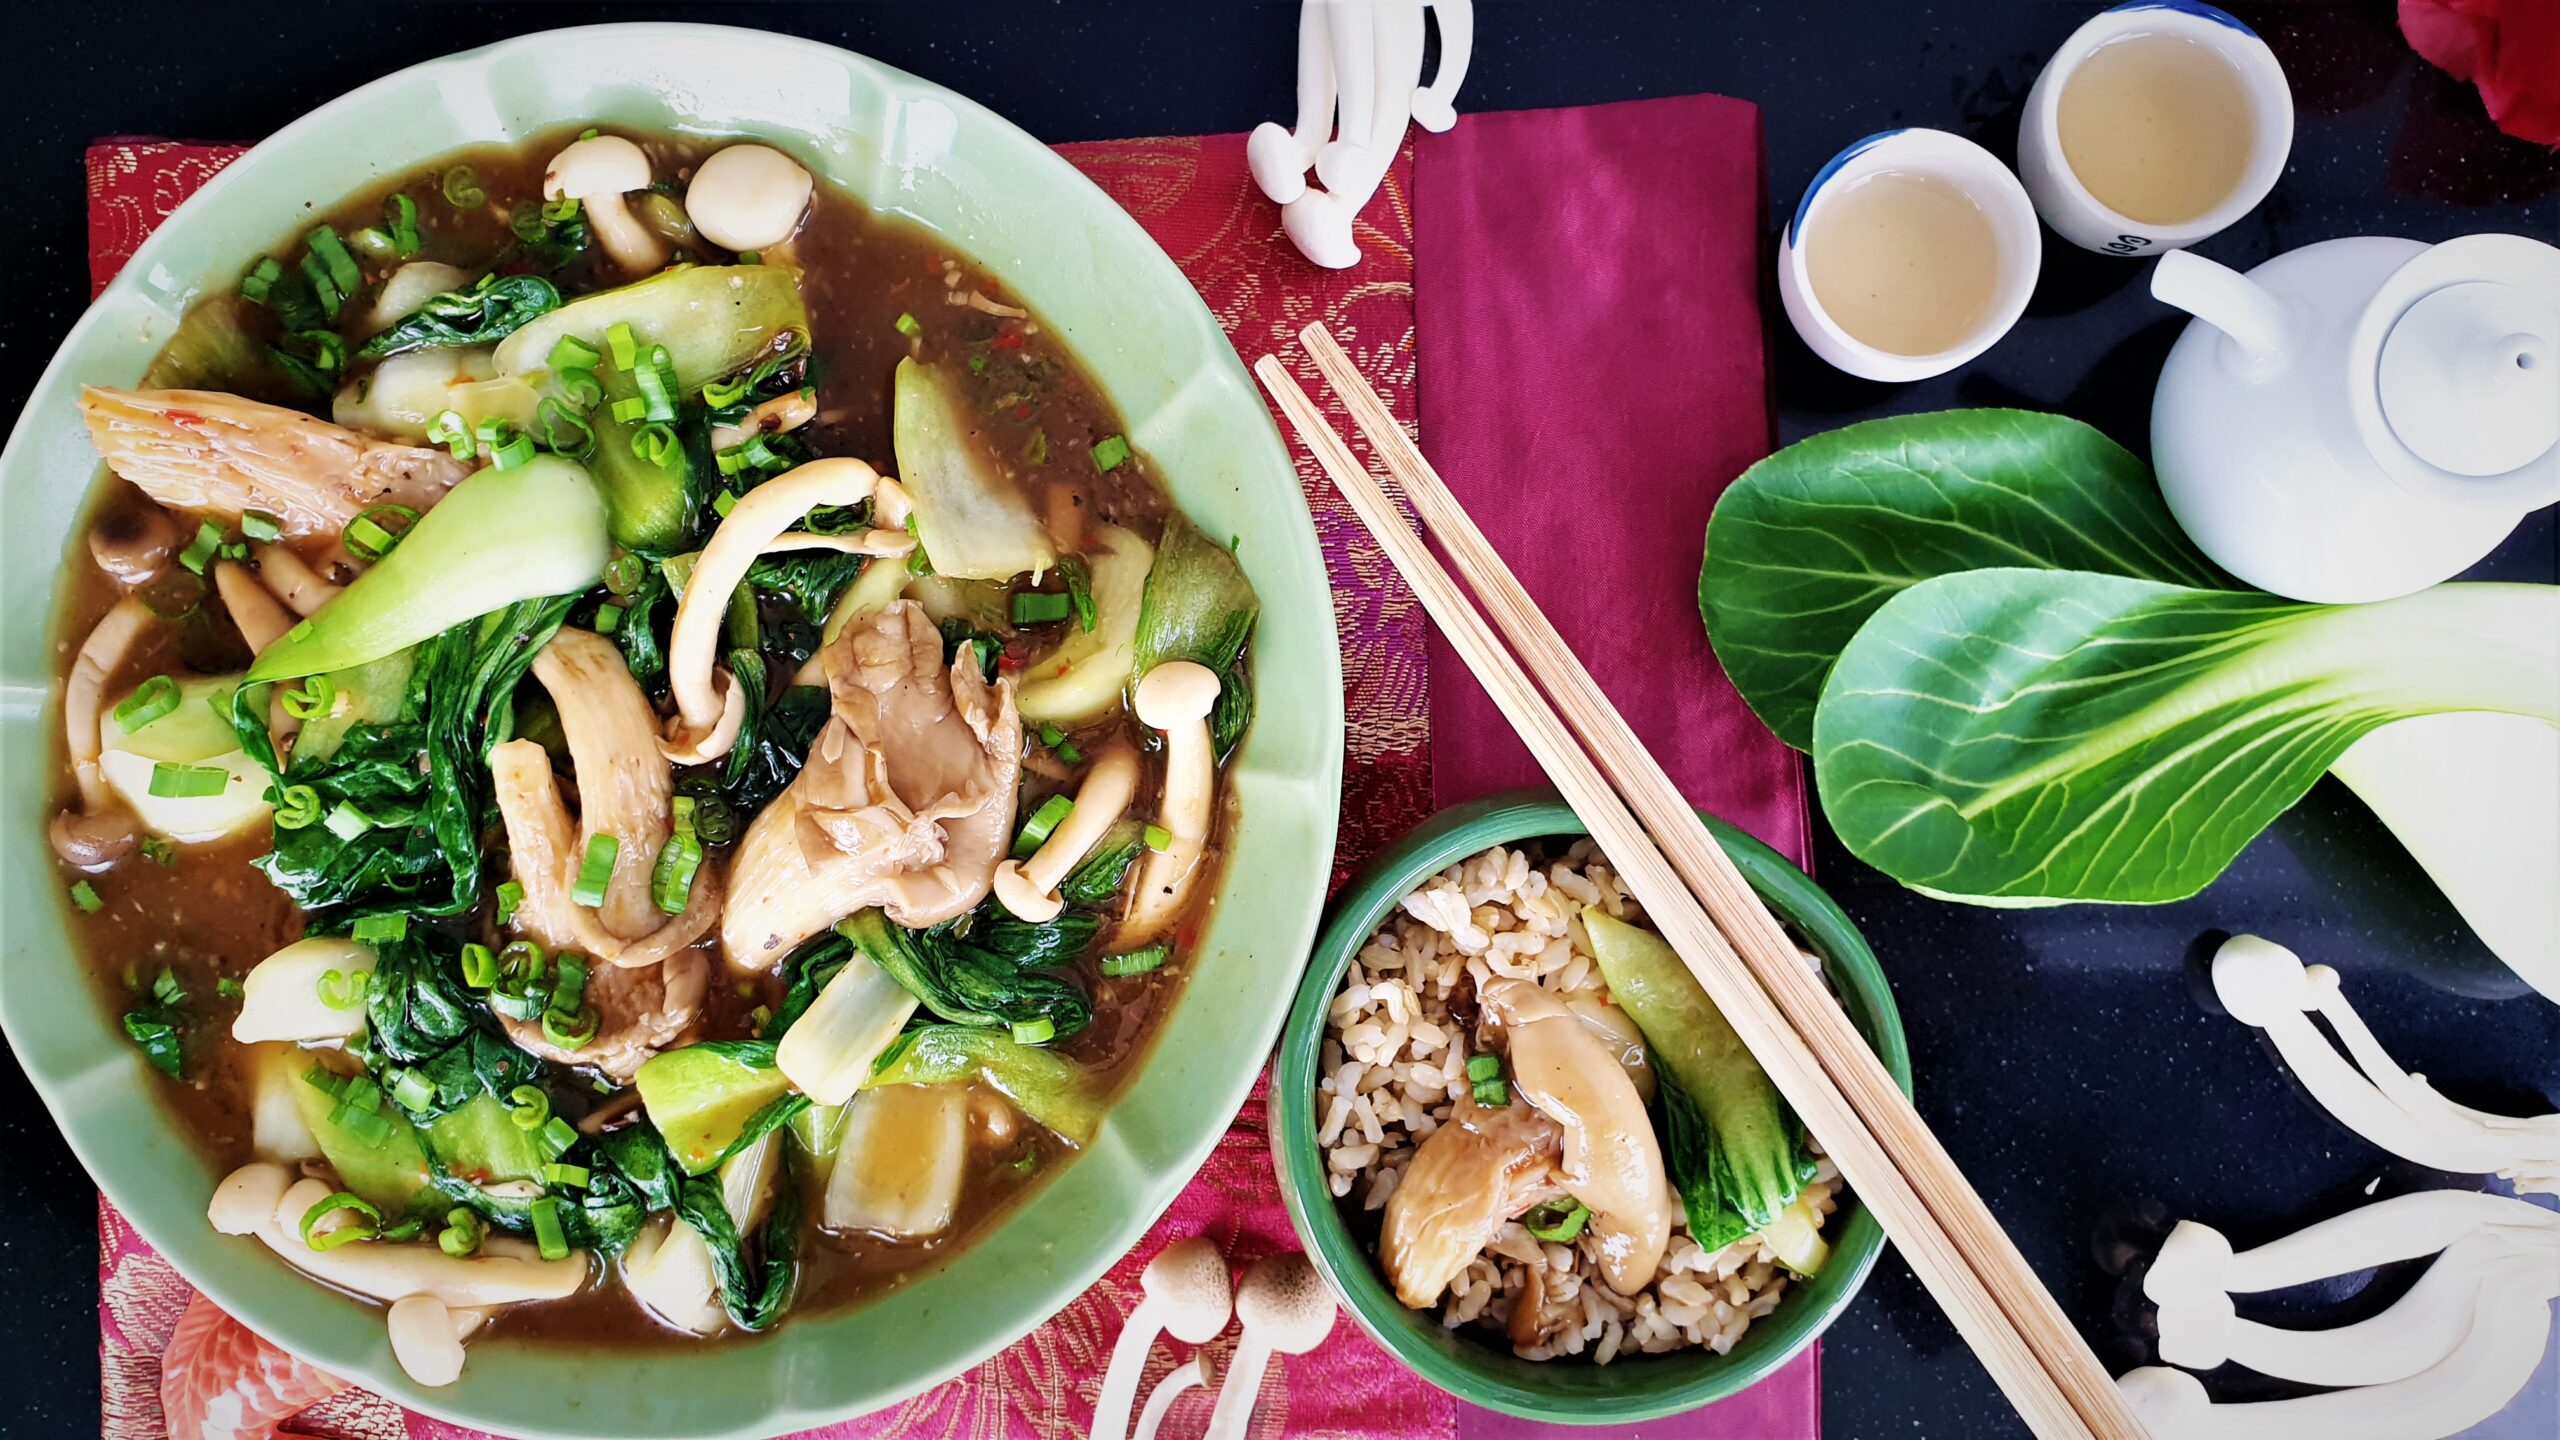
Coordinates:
[1592,375]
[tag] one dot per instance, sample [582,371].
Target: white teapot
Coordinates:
[2361,418]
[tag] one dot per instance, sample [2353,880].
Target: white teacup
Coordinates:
[2068,204]
[1929,155]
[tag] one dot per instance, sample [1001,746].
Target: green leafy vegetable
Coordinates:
[997,976]
[2024,736]
[157,1030]
[486,313]
[1054,1091]
[974,520]
[1200,607]
[1106,867]
[1811,541]
[712,1099]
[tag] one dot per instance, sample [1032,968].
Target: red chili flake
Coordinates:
[1009,340]
[1021,412]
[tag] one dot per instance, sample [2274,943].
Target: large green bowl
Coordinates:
[1567,1391]
[1000,196]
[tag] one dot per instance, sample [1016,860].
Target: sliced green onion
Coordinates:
[370,536]
[1043,820]
[400,219]
[297,807]
[671,882]
[479,965]
[721,394]
[462,188]
[159,851]
[260,278]
[608,618]
[368,1222]
[564,430]
[339,990]
[508,447]
[546,1229]
[750,257]
[315,696]
[171,781]
[573,1176]
[375,929]
[529,1106]
[1158,838]
[556,1136]
[374,244]
[1558,1222]
[412,1090]
[229,987]
[1079,581]
[315,272]
[1109,451]
[1492,1094]
[654,443]
[908,325]
[462,1231]
[569,1031]
[453,432]
[571,353]
[580,386]
[561,210]
[1034,607]
[524,218]
[978,363]
[260,526]
[1037,1031]
[510,900]
[1137,962]
[657,382]
[623,574]
[1484,1067]
[200,550]
[152,699]
[166,988]
[595,871]
[630,409]
[626,350]
[343,271]
[571,985]
[346,821]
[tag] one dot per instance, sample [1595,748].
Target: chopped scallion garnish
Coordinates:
[375,929]
[229,987]
[654,442]
[1158,838]
[260,526]
[1137,962]
[400,221]
[412,1090]
[546,1229]
[1035,831]
[150,700]
[346,821]
[479,965]
[260,279]
[510,899]
[529,1106]
[908,325]
[564,430]
[343,271]
[367,1224]
[166,988]
[1034,607]
[721,394]
[625,348]
[571,353]
[573,1176]
[595,870]
[340,990]
[1036,1031]
[462,188]
[200,551]
[371,535]
[556,1136]
[608,618]
[1109,451]
[314,697]
[1558,1222]
[453,432]
[297,807]
[159,851]
[508,447]
[172,781]
[671,882]
[461,1235]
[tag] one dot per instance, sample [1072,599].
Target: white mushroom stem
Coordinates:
[261,618]
[504,1272]
[709,706]
[293,582]
[2197,1260]
[777,416]
[2420,1329]
[748,197]
[1286,1311]
[426,1338]
[2493,1360]
[1185,1289]
[1030,888]
[84,693]
[1198,1371]
[1176,698]
[597,172]
[2267,986]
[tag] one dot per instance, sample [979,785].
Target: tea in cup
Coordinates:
[2156,124]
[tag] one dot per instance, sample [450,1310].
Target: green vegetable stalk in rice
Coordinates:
[1813,543]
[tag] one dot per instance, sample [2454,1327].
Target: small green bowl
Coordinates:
[1566,1391]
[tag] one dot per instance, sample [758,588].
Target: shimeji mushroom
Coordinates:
[100,832]
[1030,888]
[1285,1310]
[710,707]
[748,197]
[1201,1370]
[597,172]
[1176,698]
[1186,1293]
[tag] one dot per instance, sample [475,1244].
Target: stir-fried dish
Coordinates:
[640,748]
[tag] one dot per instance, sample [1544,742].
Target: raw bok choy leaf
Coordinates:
[2027,736]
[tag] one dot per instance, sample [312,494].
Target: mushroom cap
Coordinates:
[1285,1302]
[748,197]
[596,166]
[1188,1280]
[1175,692]
[1026,900]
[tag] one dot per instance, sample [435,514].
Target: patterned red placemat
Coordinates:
[1194,196]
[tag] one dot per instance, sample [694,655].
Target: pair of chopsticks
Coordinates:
[1709,914]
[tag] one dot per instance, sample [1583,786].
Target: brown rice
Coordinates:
[1394,1066]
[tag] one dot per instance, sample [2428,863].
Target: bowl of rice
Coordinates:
[1375,1059]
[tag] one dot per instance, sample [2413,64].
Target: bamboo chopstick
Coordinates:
[1886,1153]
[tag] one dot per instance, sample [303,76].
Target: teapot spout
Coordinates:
[2251,319]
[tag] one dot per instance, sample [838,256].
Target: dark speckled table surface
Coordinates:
[2060,1053]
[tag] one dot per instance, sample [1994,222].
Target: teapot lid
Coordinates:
[2457,364]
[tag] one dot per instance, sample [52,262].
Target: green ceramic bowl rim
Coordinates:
[987,186]
[1562,1391]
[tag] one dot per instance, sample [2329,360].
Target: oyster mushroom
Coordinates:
[624,789]
[709,706]
[1469,1177]
[1030,888]
[1176,698]
[748,197]
[1612,1162]
[597,172]
[906,804]
[204,452]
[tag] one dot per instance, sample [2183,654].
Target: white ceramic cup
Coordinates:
[2067,205]
[1936,155]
